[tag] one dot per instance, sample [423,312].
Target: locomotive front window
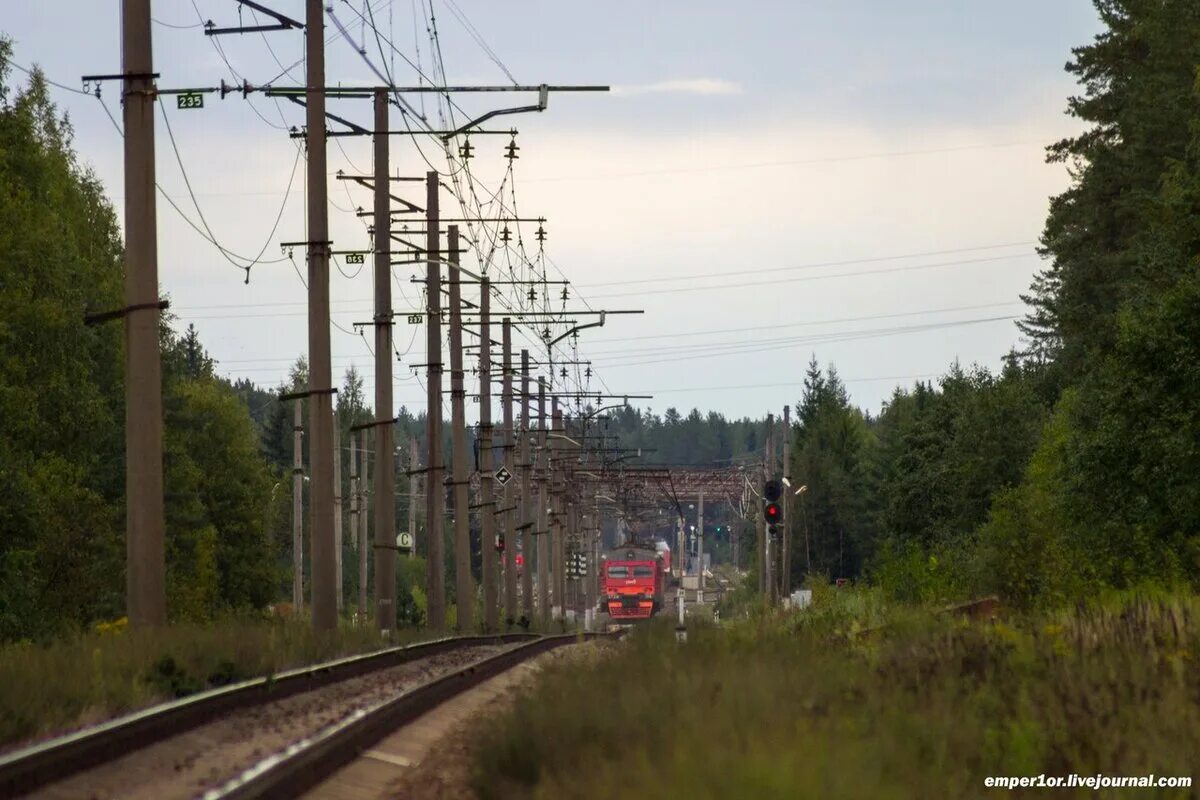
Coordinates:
[618,572]
[643,572]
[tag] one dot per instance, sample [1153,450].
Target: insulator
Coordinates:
[532,295]
[466,151]
[511,150]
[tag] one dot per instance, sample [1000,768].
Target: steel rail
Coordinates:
[307,763]
[31,768]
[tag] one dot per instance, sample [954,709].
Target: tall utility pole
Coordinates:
[558,562]
[145,553]
[768,552]
[363,517]
[785,551]
[320,388]
[592,537]
[487,514]
[297,510]
[569,545]
[528,517]
[543,545]
[337,510]
[764,529]
[435,572]
[734,540]
[355,497]
[510,452]
[414,488]
[700,545]
[464,583]
[385,462]
[554,512]
[681,550]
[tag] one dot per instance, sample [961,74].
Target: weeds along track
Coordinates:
[192,746]
[305,764]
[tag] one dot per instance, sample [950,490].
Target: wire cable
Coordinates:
[229,255]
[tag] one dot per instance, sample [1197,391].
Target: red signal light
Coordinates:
[772,513]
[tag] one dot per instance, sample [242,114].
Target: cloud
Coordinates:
[703,86]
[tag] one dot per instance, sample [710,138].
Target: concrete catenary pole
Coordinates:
[785,551]
[700,546]
[680,551]
[553,536]
[337,509]
[414,490]
[320,408]
[385,462]
[528,514]
[559,542]
[145,548]
[543,527]
[297,509]
[355,491]
[435,568]
[363,518]
[768,584]
[464,582]
[487,512]
[510,452]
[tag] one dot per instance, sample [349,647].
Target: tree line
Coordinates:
[62,552]
[1076,467]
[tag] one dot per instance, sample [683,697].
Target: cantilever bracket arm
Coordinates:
[543,102]
[578,328]
[282,23]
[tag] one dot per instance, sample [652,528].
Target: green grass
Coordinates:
[808,705]
[70,682]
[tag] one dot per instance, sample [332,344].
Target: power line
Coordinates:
[750,344]
[812,265]
[37,73]
[478,37]
[824,339]
[212,236]
[785,163]
[176,27]
[860,273]
[814,322]
[172,203]
[788,384]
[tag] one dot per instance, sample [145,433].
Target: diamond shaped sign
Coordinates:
[503,476]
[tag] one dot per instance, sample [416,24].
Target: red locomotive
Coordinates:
[632,582]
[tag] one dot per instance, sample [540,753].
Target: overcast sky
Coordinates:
[792,178]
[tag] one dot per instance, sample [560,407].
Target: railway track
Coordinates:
[269,737]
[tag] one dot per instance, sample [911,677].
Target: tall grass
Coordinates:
[804,706]
[70,682]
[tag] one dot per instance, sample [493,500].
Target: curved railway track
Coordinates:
[325,715]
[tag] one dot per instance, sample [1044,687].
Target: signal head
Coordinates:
[772,490]
[772,513]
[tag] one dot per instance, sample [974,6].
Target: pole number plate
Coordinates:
[189,100]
